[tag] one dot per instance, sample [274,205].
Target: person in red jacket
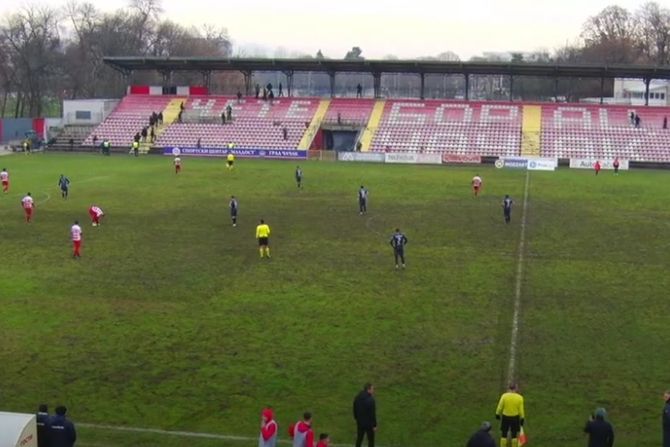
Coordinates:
[301,432]
[597,167]
[324,440]
[268,436]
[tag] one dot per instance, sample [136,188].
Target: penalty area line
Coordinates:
[514,338]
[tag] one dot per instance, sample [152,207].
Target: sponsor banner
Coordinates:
[542,164]
[413,158]
[457,158]
[512,163]
[377,157]
[587,163]
[242,153]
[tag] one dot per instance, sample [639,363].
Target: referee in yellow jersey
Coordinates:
[263,236]
[511,415]
[230,159]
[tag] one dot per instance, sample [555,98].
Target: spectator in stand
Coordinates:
[223,117]
[137,137]
[229,112]
[665,122]
[197,144]
[95,140]
[339,118]
[152,135]
[324,439]
[637,120]
[144,134]
[666,419]
[160,117]
[632,118]
[365,414]
[71,142]
[285,133]
[281,91]
[179,116]
[301,432]
[181,106]
[258,90]
[152,120]
[482,437]
[271,96]
[268,436]
[239,97]
[43,420]
[600,431]
[359,91]
[265,94]
[269,87]
[61,430]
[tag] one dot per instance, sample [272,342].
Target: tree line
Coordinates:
[47,55]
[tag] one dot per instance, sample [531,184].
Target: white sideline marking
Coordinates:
[184,434]
[511,368]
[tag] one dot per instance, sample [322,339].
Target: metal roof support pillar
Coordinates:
[207,79]
[289,81]
[377,84]
[602,90]
[556,89]
[331,76]
[247,81]
[511,87]
[167,77]
[423,85]
[467,87]
[647,81]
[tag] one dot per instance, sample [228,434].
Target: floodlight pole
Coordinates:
[289,81]
[511,88]
[556,89]
[377,84]
[602,90]
[647,81]
[331,78]
[423,85]
[467,86]
[206,79]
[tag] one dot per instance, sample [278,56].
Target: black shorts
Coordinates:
[263,241]
[230,163]
[510,424]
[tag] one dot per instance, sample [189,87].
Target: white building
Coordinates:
[631,91]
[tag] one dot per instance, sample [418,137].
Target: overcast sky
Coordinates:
[405,28]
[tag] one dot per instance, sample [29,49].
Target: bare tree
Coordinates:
[653,26]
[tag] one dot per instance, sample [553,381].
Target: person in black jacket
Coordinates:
[365,414]
[601,433]
[482,437]
[666,419]
[43,420]
[61,430]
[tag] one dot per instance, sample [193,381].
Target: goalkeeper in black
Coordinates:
[398,242]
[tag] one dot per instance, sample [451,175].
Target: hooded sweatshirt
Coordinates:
[268,436]
[302,434]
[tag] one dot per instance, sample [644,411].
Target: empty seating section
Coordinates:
[588,131]
[349,111]
[128,118]
[256,124]
[451,127]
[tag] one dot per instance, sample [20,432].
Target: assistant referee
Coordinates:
[511,415]
[263,236]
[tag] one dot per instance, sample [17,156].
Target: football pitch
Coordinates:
[172,321]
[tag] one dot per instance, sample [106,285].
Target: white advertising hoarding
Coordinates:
[18,430]
[413,158]
[587,163]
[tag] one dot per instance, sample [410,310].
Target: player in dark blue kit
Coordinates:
[298,177]
[64,184]
[398,242]
[362,200]
[233,210]
[507,208]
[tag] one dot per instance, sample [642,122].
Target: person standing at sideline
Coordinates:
[365,414]
[75,233]
[362,200]
[268,436]
[263,236]
[511,414]
[298,177]
[301,432]
[666,419]
[177,165]
[616,165]
[482,437]
[43,419]
[398,242]
[600,431]
[476,184]
[234,206]
[507,208]
[597,167]
[61,430]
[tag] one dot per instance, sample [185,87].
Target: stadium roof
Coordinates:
[203,64]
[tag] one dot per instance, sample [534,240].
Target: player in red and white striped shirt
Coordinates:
[177,165]
[4,178]
[76,233]
[28,205]
[96,214]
